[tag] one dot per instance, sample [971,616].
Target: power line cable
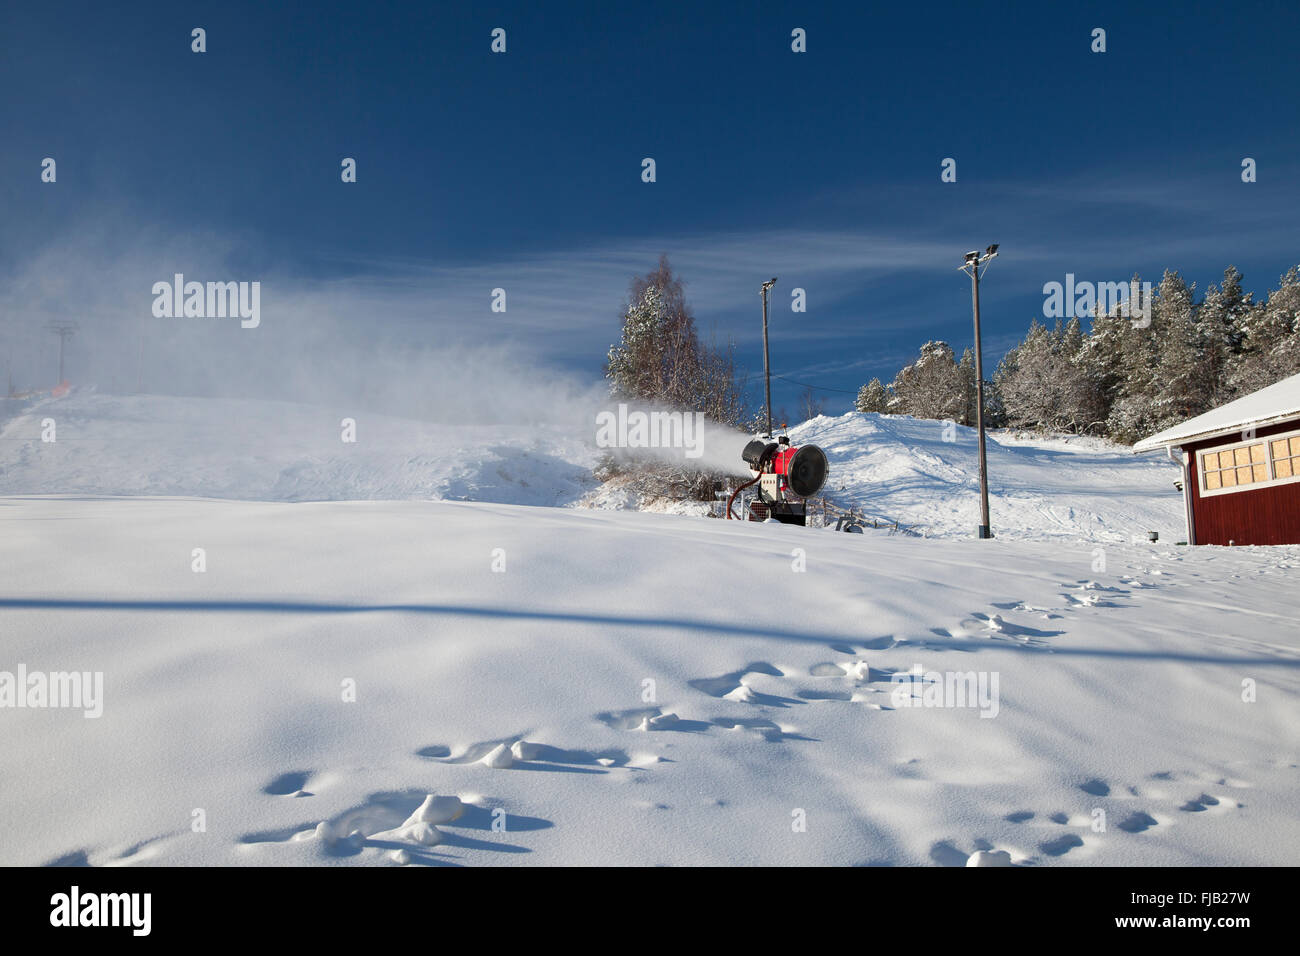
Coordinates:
[820,388]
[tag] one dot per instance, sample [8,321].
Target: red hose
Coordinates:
[736,492]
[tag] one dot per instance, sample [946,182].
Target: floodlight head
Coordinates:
[992,250]
[972,256]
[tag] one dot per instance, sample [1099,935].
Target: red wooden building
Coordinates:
[1241,468]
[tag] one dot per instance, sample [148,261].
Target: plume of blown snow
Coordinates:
[354,344]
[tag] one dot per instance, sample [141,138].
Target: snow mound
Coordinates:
[925,474]
[436,809]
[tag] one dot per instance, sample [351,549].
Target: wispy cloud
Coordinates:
[873,293]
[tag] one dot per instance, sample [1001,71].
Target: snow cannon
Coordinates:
[786,476]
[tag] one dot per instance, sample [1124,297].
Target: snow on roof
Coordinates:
[1277,402]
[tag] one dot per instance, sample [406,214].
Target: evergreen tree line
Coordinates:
[1124,378]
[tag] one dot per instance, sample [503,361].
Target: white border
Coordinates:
[1270,482]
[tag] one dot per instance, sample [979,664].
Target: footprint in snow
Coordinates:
[859,671]
[732,686]
[1137,823]
[289,784]
[1061,845]
[989,858]
[1200,804]
[1020,632]
[770,731]
[824,694]
[944,853]
[408,825]
[649,719]
[879,643]
[528,755]
[1095,787]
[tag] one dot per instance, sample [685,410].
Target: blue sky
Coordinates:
[522,170]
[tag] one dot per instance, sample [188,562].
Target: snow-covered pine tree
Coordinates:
[1102,360]
[966,371]
[1180,385]
[635,366]
[660,358]
[1025,379]
[1221,321]
[1045,382]
[931,387]
[872,397]
[1270,348]
[1158,367]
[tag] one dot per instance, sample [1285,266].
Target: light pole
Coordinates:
[974,260]
[65,331]
[767,373]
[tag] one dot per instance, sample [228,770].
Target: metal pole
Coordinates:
[64,330]
[767,373]
[984,531]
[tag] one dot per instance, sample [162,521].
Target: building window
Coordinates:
[1247,465]
[1286,457]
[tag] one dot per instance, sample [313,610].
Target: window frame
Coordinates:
[1271,481]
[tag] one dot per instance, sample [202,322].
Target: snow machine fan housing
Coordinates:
[786,475]
[805,469]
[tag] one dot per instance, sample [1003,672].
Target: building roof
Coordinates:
[1276,403]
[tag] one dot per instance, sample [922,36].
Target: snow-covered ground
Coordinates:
[280,451]
[925,475]
[1118,691]
[908,470]
[614,687]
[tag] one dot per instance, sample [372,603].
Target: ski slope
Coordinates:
[894,467]
[280,451]
[302,641]
[633,689]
